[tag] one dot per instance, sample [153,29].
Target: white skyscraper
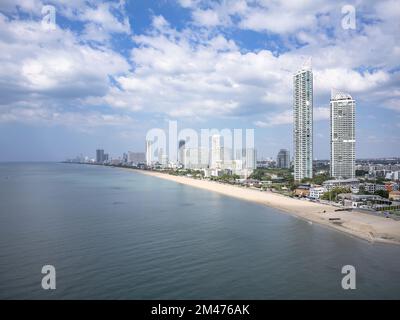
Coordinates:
[216,151]
[149,153]
[251,158]
[303,122]
[343,138]
[181,151]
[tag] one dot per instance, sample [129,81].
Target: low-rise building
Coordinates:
[341,183]
[302,191]
[364,200]
[369,187]
[394,195]
[317,192]
[380,187]
[217,172]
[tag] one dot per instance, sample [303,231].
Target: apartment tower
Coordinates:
[303,122]
[343,138]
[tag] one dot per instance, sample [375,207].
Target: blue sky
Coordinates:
[111,70]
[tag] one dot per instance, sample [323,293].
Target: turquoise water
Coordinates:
[115,234]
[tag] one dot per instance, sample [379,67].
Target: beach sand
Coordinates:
[359,224]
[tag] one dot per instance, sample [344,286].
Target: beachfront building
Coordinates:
[368,201]
[136,157]
[181,151]
[251,159]
[317,192]
[302,190]
[283,159]
[149,153]
[303,122]
[216,151]
[342,109]
[100,156]
[352,184]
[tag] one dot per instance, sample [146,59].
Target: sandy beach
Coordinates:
[362,225]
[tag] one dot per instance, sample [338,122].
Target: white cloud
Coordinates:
[286,117]
[46,117]
[265,16]
[52,70]
[102,16]
[349,80]
[194,72]
[206,17]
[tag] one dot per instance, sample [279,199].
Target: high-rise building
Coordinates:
[136,157]
[216,151]
[343,138]
[303,122]
[100,156]
[149,153]
[283,159]
[181,152]
[251,158]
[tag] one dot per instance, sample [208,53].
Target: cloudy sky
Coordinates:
[109,71]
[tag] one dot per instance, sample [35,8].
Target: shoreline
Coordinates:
[355,223]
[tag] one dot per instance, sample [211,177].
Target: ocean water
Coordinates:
[116,234]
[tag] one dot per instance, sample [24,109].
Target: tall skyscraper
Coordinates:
[303,122]
[149,153]
[216,151]
[181,152]
[251,158]
[100,156]
[283,159]
[343,138]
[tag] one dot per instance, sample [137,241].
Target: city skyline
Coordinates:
[198,62]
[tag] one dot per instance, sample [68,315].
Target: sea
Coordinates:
[112,233]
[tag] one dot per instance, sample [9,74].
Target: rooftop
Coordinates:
[339,95]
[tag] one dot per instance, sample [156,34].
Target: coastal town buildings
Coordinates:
[283,159]
[352,184]
[136,157]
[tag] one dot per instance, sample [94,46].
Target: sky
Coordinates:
[106,72]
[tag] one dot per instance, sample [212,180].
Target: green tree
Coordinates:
[257,174]
[319,179]
[382,193]
[361,173]
[332,195]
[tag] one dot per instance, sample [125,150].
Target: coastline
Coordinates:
[355,223]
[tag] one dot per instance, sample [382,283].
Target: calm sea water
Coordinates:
[115,234]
